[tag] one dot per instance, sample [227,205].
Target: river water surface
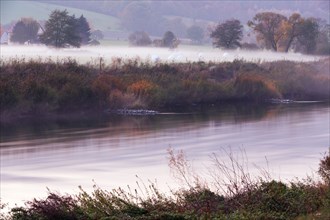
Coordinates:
[111,150]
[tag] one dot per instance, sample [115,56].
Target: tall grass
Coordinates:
[241,197]
[35,86]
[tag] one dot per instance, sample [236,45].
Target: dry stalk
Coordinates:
[182,170]
[232,177]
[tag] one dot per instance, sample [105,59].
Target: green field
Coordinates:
[14,10]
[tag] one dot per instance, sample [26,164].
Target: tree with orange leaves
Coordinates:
[280,33]
[268,26]
[291,29]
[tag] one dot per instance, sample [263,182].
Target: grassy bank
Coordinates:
[51,87]
[233,194]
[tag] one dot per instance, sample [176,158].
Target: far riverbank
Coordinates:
[65,88]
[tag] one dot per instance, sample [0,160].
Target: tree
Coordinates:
[268,26]
[281,33]
[139,38]
[228,34]
[292,28]
[61,30]
[307,38]
[169,39]
[97,35]
[83,30]
[25,30]
[323,39]
[195,33]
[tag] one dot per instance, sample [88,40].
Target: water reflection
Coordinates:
[49,131]
[63,154]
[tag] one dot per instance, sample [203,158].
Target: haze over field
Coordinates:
[181,54]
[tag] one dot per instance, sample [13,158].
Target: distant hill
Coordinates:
[214,10]
[13,10]
[156,17]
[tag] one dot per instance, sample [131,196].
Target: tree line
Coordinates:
[141,38]
[272,31]
[276,32]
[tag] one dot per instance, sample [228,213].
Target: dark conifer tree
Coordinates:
[83,30]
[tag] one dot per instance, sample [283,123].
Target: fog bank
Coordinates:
[182,54]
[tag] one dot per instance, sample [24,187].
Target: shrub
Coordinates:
[8,95]
[38,92]
[139,38]
[54,207]
[75,96]
[103,86]
[142,88]
[324,169]
[201,201]
[249,46]
[118,99]
[254,87]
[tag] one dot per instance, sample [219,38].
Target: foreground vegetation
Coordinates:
[53,87]
[234,194]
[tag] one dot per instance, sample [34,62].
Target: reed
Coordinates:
[237,195]
[30,87]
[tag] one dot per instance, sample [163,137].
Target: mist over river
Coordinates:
[111,150]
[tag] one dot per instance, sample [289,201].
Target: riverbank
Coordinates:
[48,88]
[234,194]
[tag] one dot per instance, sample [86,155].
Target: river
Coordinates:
[111,150]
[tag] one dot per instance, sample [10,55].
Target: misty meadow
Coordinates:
[164,110]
